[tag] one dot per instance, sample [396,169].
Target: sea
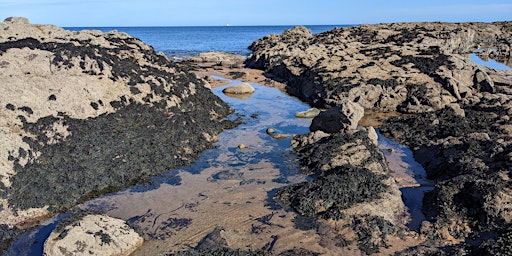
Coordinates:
[186,41]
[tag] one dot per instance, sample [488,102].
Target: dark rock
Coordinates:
[7,236]
[212,241]
[372,232]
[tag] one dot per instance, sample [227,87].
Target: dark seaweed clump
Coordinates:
[336,190]
[104,154]
[372,232]
[112,151]
[7,236]
[427,65]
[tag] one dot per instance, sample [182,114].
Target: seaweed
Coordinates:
[336,190]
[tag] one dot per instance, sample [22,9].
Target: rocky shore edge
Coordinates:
[453,114]
[87,113]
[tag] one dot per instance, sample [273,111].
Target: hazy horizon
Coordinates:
[161,13]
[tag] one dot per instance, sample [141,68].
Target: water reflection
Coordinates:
[488,62]
[410,176]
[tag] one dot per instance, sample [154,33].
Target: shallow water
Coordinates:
[489,63]
[410,176]
[232,188]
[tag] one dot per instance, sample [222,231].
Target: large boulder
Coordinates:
[341,118]
[94,235]
[410,67]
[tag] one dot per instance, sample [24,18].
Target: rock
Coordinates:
[243,88]
[457,109]
[484,82]
[338,119]
[457,125]
[91,103]
[372,134]
[310,113]
[280,136]
[270,131]
[351,179]
[376,65]
[16,20]
[219,58]
[94,234]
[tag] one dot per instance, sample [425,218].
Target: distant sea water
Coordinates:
[180,42]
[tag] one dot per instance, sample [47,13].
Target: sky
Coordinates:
[94,13]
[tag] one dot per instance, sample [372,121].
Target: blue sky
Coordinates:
[68,13]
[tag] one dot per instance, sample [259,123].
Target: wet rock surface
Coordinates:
[86,113]
[455,117]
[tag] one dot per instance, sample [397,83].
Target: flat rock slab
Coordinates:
[94,235]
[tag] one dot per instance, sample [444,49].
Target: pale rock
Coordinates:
[310,113]
[94,235]
[243,88]
[338,119]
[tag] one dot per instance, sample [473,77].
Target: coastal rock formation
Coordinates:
[410,67]
[219,58]
[352,184]
[455,117]
[94,235]
[86,113]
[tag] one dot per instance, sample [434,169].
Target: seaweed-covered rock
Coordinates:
[94,234]
[350,179]
[457,124]
[336,190]
[410,67]
[86,113]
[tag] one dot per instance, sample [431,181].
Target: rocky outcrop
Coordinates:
[218,58]
[351,185]
[457,124]
[410,67]
[86,113]
[95,235]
